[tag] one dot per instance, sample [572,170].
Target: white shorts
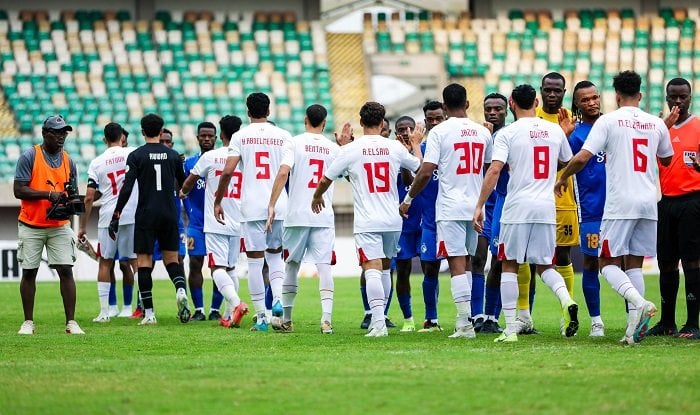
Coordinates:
[456,238]
[313,245]
[124,245]
[256,239]
[627,237]
[222,250]
[376,245]
[533,243]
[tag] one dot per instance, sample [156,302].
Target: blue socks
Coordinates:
[198,297]
[113,294]
[492,304]
[268,297]
[216,298]
[430,295]
[128,291]
[532,298]
[388,303]
[363,294]
[591,291]
[405,304]
[478,282]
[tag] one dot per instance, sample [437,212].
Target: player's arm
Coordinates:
[317,203]
[277,188]
[574,166]
[487,186]
[188,185]
[89,200]
[415,137]
[406,177]
[419,183]
[565,121]
[224,180]
[125,192]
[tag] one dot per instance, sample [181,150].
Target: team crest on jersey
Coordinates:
[423,248]
[600,157]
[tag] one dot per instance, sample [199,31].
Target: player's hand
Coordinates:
[219,213]
[114,226]
[488,126]
[317,204]
[345,136]
[182,195]
[478,219]
[415,136]
[560,187]
[81,234]
[672,116]
[565,121]
[403,210]
[270,218]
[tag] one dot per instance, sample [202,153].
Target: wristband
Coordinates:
[407,199]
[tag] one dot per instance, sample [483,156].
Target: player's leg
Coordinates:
[668,255]
[492,297]
[512,245]
[196,249]
[295,240]
[455,240]
[590,283]
[113,304]
[275,263]
[255,244]
[478,261]
[404,259]
[370,249]
[367,319]
[106,250]
[430,265]
[567,236]
[169,239]
[320,252]
[127,266]
[388,287]
[526,295]
[688,241]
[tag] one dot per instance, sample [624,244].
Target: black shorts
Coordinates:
[165,232]
[678,230]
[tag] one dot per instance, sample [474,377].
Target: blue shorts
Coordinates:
[409,245]
[196,245]
[590,237]
[496,223]
[158,255]
[428,245]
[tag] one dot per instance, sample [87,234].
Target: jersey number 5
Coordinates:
[262,166]
[317,174]
[377,176]
[472,157]
[113,176]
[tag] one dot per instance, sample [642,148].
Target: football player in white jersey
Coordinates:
[372,164]
[258,147]
[306,235]
[631,140]
[531,147]
[223,240]
[105,179]
[458,148]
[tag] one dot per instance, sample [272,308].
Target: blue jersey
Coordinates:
[194,203]
[590,180]
[502,183]
[428,197]
[412,223]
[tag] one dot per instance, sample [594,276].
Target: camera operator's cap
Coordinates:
[56,122]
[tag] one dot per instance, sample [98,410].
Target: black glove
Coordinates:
[114,227]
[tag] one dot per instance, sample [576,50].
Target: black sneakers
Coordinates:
[661,330]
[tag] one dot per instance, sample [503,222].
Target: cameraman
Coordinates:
[40,179]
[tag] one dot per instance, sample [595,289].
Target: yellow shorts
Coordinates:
[567,228]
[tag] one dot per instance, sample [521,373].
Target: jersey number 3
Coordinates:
[317,174]
[472,157]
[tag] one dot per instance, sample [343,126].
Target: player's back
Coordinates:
[531,147]
[372,163]
[158,171]
[459,147]
[107,171]
[209,167]
[631,139]
[260,147]
[309,155]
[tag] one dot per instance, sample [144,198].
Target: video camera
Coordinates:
[68,204]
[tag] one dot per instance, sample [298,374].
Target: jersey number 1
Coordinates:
[377,176]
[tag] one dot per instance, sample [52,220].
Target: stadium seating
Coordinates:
[521,46]
[95,67]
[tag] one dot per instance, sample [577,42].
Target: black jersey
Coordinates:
[160,175]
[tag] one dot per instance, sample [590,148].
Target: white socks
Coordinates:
[256,284]
[275,265]
[386,285]
[637,279]
[225,285]
[234,277]
[325,290]
[289,289]
[375,295]
[555,282]
[461,294]
[103,295]
[509,299]
[621,283]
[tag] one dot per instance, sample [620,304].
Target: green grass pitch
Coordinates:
[200,368]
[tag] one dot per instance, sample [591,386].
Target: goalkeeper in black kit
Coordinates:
[159,173]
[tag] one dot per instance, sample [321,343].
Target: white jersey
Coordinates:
[631,140]
[459,147]
[260,147]
[531,147]
[308,155]
[210,166]
[108,171]
[372,163]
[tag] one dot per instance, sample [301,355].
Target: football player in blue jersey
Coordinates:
[590,182]
[434,114]
[194,208]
